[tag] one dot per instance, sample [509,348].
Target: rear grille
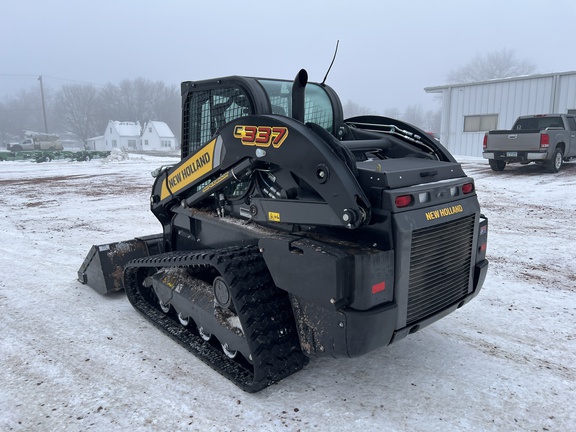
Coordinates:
[439,267]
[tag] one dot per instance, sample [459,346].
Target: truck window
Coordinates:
[538,123]
[572,123]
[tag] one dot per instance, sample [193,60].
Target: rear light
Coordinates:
[376,288]
[403,200]
[485,142]
[544,141]
[467,188]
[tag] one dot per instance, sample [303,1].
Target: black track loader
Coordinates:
[289,232]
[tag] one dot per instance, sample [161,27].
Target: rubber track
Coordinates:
[264,312]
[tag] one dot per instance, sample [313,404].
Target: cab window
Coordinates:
[209,110]
[318,108]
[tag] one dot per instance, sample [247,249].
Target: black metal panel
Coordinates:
[440,263]
[314,271]
[397,173]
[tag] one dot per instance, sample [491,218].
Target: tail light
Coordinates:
[403,200]
[485,142]
[544,141]
[467,188]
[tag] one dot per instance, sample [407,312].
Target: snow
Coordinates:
[127,129]
[72,359]
[162,129]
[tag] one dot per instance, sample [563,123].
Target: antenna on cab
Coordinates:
[330,67]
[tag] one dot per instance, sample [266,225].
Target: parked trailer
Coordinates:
[47,156]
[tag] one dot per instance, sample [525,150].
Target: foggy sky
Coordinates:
[389,50]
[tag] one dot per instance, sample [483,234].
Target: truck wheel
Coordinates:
[555,163]
[497,165]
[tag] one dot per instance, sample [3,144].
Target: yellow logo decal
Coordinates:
[191,170]
[274,217]
[447,211]
[261,136]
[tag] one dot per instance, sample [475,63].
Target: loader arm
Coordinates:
[291,174]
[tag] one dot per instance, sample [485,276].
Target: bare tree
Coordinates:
[432,120]
[76,109]
[24,112]
[110,105]
[352,109]
[392,113]
[85,110]
[498,64]
[141,100]
[414,114]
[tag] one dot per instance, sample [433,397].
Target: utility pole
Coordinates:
[43,104]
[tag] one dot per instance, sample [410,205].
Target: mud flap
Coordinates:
[103,268]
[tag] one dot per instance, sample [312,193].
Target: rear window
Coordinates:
[538,123]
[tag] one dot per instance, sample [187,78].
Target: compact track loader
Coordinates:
[289,232]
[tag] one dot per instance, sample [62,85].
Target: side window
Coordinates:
[318,108]
[209,110]
[317,105]
[572,123]
[195,121]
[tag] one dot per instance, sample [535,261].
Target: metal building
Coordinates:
[469,110]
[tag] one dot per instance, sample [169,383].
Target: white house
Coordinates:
[469,110]
[123,135]
[157,136]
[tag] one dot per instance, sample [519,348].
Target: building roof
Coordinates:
[438,89]
[130,129]
[162,128]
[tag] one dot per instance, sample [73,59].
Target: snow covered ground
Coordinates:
[74,360]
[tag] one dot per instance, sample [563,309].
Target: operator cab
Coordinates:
[209,105]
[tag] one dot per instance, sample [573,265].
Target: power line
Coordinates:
[19,75]
[73,81]
[50,77]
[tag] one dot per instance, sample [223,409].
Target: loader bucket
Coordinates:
[103,268]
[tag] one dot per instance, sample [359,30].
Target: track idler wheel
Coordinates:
[165,307]
[204,335]
[222,294]
[184,321]
[229,353]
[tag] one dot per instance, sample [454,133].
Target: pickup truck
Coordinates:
[547,139]
[37,141]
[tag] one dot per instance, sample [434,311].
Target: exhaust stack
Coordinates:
[298,88]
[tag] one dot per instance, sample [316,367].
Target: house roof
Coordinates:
[162,128]
[130,129]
